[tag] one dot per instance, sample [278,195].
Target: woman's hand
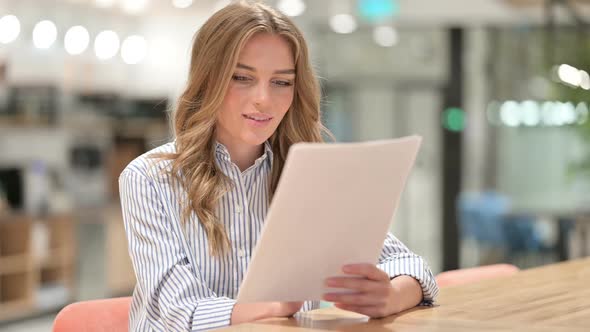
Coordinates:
[248,312]
[372,292]
[286,309]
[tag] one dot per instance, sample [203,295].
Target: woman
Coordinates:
[194,208]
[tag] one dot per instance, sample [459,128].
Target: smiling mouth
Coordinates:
[257,118]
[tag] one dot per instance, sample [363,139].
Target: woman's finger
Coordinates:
[361,299]
[357,284]
[369,271]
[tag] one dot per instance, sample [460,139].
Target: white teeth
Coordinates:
[256,118]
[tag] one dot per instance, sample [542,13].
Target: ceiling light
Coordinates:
[343,23]
[106,45]
[134,6]
[44,34]
[9,29]
[385,36]
[76,40]
[182,3]
[134,50]
[291,7]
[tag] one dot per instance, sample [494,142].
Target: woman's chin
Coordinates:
[255,139]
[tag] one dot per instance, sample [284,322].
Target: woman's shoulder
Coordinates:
[151,165]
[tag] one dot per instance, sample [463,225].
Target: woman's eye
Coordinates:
[283,83]
[240,78]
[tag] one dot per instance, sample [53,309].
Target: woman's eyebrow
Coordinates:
[252,69]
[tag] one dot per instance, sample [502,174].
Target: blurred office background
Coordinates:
[499,89]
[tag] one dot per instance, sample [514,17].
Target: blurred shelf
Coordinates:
[56,258]
[20,121]
[15,263]
[15,309]
[30,284]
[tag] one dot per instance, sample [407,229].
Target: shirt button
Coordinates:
[238,209]
[241,252]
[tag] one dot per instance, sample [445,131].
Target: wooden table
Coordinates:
[551,298]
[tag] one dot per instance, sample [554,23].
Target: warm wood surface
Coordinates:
[551,298]
[25,270]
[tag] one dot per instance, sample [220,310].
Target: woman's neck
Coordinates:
[241,154]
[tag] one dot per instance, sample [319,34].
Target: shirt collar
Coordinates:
[223,153]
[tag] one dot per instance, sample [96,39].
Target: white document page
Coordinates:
[333,206]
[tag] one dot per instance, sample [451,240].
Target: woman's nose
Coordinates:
[261,94]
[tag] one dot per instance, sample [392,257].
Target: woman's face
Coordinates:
[260,92]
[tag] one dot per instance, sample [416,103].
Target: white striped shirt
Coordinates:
[180,286]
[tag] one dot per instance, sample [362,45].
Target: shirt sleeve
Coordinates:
[396,260]
[172,296]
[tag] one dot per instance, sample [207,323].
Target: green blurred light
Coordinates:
[453,119]
[377,10]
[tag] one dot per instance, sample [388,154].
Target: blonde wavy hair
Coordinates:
[214,57]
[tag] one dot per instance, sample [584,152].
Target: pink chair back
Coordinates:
[469,275]
[110,315]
